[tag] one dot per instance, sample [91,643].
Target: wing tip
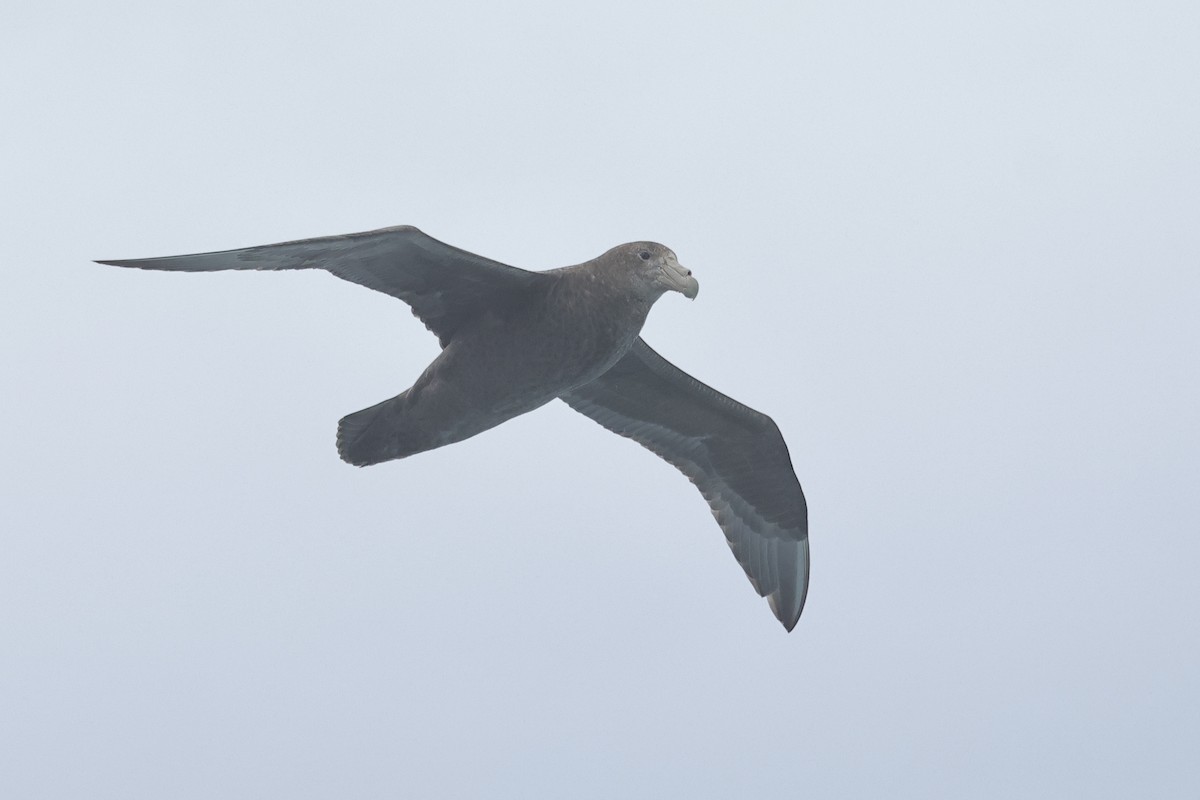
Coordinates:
[787,601]
[788,619]
[136,263]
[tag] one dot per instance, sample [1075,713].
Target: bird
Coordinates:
[513,340]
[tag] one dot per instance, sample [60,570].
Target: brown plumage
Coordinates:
[513,340]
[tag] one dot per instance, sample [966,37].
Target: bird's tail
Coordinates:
[376,434]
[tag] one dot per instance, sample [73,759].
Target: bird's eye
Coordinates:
[644,255]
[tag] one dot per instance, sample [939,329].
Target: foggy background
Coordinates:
[950,248]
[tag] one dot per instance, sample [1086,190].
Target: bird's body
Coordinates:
[474,384]
[513,340]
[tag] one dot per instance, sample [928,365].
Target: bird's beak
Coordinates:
[679,279]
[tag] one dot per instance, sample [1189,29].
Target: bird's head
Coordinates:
[655,269]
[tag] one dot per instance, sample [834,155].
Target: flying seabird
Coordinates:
[513,340]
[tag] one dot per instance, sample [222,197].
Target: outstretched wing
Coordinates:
[735,456]
[445,286]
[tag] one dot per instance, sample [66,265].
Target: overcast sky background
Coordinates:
[952,248]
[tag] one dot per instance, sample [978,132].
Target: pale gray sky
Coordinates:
[951,248]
